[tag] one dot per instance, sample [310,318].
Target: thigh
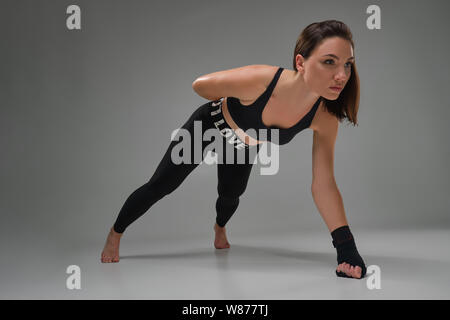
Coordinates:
[168,172]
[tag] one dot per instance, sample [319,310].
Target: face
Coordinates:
[329,65]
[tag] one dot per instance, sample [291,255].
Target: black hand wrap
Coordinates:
[346,249]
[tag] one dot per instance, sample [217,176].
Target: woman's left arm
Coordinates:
[324,190]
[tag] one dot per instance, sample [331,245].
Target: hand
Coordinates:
[349,270]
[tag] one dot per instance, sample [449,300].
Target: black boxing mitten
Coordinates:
[346,250]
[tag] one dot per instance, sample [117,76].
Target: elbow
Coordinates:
[198,87]
[319,185]
[202,89]
[195,86]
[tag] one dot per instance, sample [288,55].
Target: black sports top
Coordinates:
[250,116]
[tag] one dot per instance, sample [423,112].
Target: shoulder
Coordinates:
[263,68]
[324,121]
[261,75]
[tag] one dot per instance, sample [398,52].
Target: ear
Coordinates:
[299,63]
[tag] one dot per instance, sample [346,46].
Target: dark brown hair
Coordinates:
[346,106]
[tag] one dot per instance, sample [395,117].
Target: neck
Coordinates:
[297,92]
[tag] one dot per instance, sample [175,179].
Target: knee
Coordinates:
[227,202]
[230,193]
[159,188]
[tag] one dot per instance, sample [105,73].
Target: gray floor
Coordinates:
[413,264]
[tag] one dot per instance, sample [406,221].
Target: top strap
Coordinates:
[266,95]
[274,80]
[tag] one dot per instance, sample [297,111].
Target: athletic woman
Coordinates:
[320,92]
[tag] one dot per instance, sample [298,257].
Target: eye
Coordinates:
[349,64]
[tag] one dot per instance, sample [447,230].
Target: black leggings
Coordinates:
[232,178]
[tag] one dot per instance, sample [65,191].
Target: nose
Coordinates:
[341,76]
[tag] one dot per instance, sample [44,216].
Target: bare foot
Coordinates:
[111,250]
[220,241]
[349,270]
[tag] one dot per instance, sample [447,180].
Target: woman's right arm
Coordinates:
[243,83]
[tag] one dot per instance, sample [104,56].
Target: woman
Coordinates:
[322,89]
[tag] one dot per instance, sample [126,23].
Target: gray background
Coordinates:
[86,116]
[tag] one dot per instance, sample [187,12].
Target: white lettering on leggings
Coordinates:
[184,147]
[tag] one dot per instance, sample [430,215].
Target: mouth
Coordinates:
[336,89]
